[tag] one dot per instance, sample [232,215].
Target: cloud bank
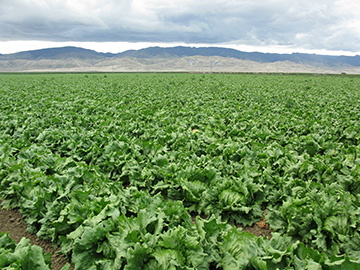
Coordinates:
[322,24]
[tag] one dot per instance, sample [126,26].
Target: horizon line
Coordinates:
[221,46]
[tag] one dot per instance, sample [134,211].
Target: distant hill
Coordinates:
[181,51]
[83,59]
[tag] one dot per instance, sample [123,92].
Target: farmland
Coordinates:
[164,171]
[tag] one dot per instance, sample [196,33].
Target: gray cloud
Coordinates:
[323,24]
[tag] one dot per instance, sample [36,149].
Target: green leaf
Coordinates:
[137,257]
[238,248]
[30,257]
[168,259]
[6,242]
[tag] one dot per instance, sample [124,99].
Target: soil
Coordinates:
[260,229]
[12,221]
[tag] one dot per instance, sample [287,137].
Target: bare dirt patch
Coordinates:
[261,228]
[12,221]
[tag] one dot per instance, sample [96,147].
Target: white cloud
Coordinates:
[317,25]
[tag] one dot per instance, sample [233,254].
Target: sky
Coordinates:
[281,26]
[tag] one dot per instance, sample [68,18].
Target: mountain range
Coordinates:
[203,59]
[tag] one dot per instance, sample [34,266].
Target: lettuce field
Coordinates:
[164,171]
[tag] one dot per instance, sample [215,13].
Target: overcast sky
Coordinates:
[319,26]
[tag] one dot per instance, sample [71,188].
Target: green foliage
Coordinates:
[22,255]
[147,171]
